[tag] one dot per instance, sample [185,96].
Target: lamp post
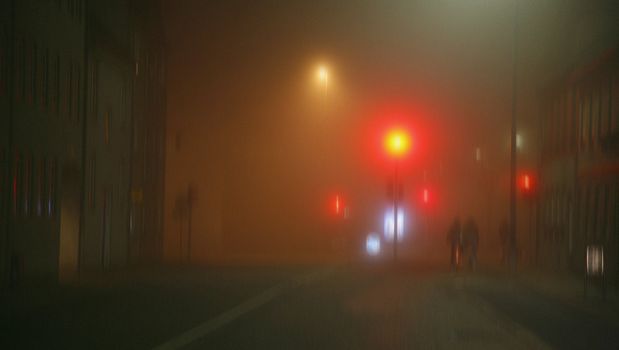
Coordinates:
[397,143]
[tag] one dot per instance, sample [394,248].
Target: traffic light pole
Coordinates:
[513,252]
[396,195]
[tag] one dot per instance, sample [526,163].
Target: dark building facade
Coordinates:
[81,136]
[579,197]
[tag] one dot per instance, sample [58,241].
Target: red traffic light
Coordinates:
[527,183]
[338,206]
[397,142]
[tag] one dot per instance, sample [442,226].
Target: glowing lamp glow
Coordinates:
[337,204]
[595,260]
[323,74]
[526,182]
[397,143]
[388,225]
[372,244]
[426,195]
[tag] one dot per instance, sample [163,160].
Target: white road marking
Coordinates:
[232,314]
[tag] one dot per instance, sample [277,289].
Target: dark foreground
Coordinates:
[362,307]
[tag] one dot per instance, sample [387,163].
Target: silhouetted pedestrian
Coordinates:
[471,240]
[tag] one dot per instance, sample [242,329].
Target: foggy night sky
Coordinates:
[247,122]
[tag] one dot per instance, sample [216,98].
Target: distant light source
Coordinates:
[527,182]
[323,78]
[595,260]
[337,204]
[323,74]
[372,244]
[397,143]
[478,154]
[388,225]
[426,196]
[519,141]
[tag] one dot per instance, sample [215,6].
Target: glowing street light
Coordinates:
[323,77]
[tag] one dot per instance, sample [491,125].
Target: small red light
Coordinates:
[426,195]
[527,182]
[337,204]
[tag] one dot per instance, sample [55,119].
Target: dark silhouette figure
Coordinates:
[454,239]
[471,241]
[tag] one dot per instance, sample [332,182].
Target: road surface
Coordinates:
[360,307]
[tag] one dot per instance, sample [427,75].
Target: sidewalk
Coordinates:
[569,288]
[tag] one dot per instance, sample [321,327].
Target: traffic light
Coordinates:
[527,184]
[339,207]
[397,143]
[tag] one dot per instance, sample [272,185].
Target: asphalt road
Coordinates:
[362,307]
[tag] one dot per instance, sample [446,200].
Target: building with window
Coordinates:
[579,198]
[81,136]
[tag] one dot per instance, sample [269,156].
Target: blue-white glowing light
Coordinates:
[372,244]
[389,225]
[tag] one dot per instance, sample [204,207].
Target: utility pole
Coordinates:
[513,148]
[396,194]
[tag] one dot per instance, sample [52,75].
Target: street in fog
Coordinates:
[326,307]
[309,174]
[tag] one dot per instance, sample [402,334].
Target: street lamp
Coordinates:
[397,144]
[323,77]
